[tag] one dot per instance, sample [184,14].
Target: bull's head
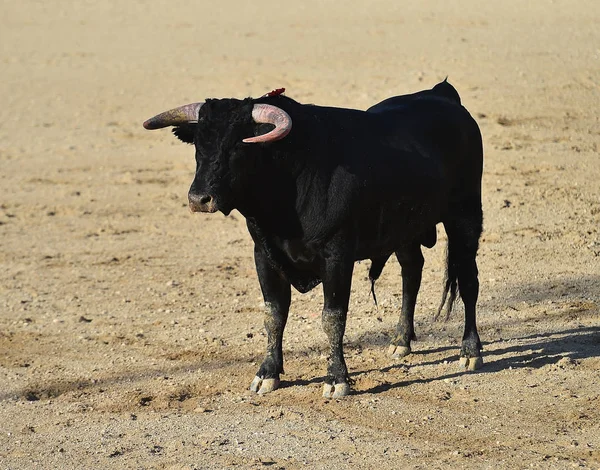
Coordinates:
[220,131]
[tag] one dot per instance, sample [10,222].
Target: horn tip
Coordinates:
[150,125]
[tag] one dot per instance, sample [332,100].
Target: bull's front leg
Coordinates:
[336,291]
[277,295]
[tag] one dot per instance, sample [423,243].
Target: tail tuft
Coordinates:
[450,286]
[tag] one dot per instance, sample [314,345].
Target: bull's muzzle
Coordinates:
[202,203]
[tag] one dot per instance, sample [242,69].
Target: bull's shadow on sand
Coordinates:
[530,351]
[533,351]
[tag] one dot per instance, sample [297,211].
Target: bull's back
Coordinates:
[433,157]
[441,91]
[434,125]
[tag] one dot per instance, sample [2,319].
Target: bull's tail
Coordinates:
[450,284]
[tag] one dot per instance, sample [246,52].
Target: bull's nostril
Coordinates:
[205,199]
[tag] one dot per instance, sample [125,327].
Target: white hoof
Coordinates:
[336,391]
[398,352]
[476,363]
[262,386]
[470,363]
[255,385]
[268,385]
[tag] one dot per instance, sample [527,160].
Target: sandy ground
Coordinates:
[130,329]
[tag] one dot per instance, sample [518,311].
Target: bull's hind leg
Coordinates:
[463,241]
[277,294]
[411,261]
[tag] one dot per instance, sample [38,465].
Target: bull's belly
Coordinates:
[369,249]
[375,234]
[390,235]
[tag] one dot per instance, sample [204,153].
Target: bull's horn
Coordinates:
[183,115]
[269,114]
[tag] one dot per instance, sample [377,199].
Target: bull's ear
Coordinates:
[185,132]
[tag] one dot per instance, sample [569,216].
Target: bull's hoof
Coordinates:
[336,390]
[262,386]
[398,352]
[470,363]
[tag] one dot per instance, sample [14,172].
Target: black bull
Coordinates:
[323,187]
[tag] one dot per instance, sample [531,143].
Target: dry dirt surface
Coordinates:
[130,329]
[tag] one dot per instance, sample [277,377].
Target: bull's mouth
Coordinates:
[209,210]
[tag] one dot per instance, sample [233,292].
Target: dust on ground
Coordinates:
[131,329]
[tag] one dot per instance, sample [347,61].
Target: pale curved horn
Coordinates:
[269,114]
[183,115]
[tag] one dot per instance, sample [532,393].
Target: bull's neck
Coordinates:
[270,200]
